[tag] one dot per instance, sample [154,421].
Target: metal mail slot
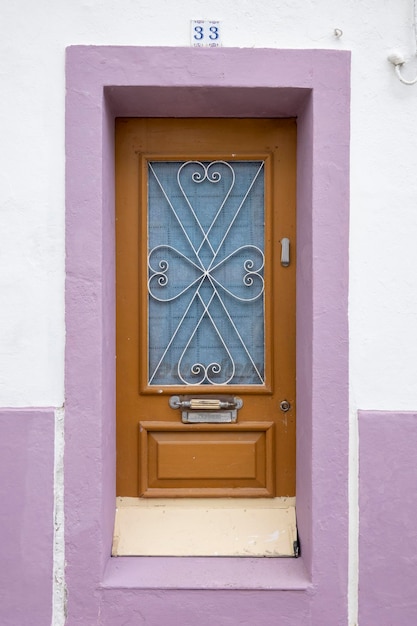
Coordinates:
[207,410]
[208,417]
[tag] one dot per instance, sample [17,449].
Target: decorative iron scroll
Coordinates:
[205,272]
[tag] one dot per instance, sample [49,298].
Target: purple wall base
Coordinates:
[388,514]
[26,516]
[206,608]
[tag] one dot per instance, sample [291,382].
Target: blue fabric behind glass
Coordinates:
[206,247]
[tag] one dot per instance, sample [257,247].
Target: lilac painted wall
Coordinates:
[314,85]
[26,516]
[388,518]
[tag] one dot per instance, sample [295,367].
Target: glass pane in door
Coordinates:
[206,273]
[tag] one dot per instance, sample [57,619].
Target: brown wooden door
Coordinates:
[205,308]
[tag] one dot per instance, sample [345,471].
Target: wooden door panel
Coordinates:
[236,460]
[163,464]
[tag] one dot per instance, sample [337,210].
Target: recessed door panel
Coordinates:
[177,460]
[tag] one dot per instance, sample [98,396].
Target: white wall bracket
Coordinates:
[398,61]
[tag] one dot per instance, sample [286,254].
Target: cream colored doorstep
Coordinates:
[205,527]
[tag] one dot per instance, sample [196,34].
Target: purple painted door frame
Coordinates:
[104,82]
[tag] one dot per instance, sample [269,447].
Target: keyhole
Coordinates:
[284,405]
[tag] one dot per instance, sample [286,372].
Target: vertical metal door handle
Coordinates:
[285,252]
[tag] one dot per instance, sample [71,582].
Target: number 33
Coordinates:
[199,33]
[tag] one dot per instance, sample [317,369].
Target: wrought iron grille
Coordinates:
[205,273]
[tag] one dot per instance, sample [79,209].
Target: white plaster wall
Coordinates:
[383,297]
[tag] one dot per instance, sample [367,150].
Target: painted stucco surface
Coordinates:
[388,531]
[382,262]
[26,514]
